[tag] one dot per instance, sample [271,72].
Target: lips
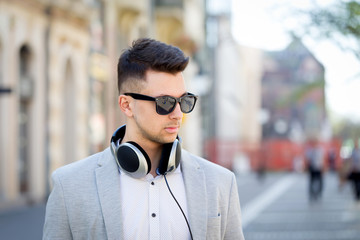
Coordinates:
[172,129]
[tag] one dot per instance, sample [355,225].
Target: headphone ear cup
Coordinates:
[133,160]
[170,157]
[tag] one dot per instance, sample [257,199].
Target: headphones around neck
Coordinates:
[133,159]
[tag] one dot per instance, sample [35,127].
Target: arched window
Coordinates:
[2,138]
[25,98]
[1,66]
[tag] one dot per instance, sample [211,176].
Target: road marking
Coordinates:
[253,209]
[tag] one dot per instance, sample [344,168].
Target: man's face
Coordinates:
[150,125]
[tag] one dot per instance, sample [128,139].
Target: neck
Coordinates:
[154,153]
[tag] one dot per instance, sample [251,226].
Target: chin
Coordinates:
[170,139]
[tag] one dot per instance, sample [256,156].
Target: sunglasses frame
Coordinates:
[138,96]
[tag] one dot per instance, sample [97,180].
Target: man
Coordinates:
[355,170]
[145,186]
[315,163]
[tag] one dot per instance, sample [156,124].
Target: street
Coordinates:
[22,223]
[274,207]
[284,212]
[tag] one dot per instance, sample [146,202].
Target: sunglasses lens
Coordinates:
[187,103]
[165,105]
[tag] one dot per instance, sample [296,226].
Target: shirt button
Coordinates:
[152,183]
[153,215]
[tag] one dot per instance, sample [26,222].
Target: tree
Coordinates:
[347,129]
[338,22]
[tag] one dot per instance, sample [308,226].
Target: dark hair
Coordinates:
[149,54]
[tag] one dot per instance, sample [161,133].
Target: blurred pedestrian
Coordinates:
[344,172]
[332,160]
[261,168]
[355,170]
[314,156]
[125,191]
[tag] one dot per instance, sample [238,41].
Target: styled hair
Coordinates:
[148,54]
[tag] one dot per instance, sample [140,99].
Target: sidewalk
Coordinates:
[22,223]
[283,211]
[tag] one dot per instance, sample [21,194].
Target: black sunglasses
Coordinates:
[167,104]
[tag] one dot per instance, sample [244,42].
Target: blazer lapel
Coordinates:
[195,185]
[107,180]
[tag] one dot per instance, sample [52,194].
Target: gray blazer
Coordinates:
[84,202]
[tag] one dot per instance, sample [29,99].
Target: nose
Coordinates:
[177,113]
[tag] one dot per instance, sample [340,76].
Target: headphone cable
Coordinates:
[187,222]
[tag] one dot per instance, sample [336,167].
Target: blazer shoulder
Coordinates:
[81,167]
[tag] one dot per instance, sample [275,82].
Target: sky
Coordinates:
[258,24]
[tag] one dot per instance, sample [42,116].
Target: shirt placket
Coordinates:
[154,218]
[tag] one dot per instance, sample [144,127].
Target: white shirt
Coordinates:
[148,209]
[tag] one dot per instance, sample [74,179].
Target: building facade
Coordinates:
[294,106]
[293,90]
[58,60]
[235,97]
[44,48]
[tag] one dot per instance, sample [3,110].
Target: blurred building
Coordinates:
[58,59]
[44,50]
[262,106]
[293,93]
[234,100]
[293,103]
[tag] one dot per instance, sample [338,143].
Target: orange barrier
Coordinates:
[272,154]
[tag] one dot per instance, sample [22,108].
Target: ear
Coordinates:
[125,105]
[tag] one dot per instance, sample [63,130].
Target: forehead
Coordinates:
[162,83]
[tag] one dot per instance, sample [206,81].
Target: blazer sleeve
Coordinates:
[56,224]
[234,225]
